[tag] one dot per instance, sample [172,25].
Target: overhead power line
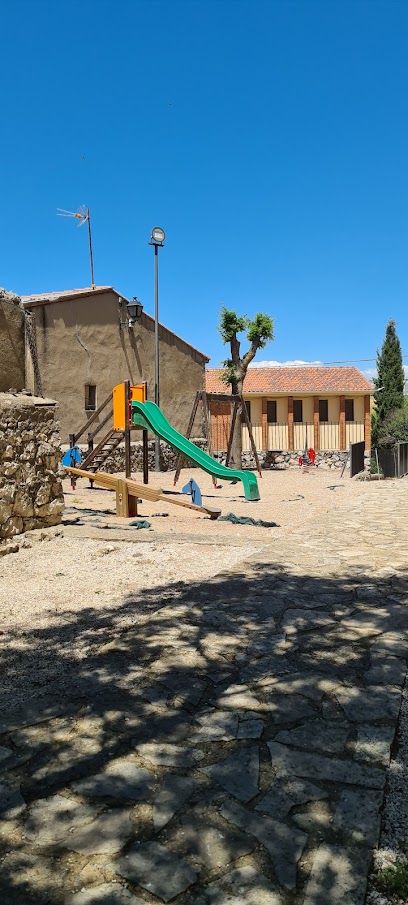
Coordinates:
[353,361]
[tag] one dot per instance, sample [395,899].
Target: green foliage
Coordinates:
[229,373]
[393,429]
[260,330]
[394,880]
[230,324]
[373,466]
[389,383]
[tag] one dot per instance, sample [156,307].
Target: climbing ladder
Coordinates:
[96,457]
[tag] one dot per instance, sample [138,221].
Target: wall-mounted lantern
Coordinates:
[132,311]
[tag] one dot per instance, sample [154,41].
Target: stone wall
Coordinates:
[326,461]
[168,457]
[12,354]
[30,489]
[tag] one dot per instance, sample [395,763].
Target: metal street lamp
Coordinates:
[157,240]
[133,311]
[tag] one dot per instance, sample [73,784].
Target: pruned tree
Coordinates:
[258,331]
[389,383]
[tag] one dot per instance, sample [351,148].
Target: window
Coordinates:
[271,412]
[349,409]
[323,409]
[248,408]
[297,410]
[90,397]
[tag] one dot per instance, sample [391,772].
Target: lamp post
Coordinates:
[157,240]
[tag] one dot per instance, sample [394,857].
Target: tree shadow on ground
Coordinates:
[106,682]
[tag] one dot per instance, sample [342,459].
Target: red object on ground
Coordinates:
[312,456]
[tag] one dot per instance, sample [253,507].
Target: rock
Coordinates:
[338,876]
[104,894]
[315,766]
[157,870]
[284,844]
[244,886]
[123,779]
[11,801]
[107,834]
[51,820]
[175,791]
[238,773]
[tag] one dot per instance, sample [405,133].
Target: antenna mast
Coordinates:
[83,214]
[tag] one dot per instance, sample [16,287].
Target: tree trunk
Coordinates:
[236,449]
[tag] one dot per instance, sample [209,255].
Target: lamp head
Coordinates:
[158,235]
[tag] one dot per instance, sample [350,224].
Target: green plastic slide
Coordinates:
[148,415]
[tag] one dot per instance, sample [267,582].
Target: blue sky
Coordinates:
[268,139]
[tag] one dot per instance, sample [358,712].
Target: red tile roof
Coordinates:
[275,381]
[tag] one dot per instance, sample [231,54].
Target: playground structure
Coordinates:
[128,492]
[131,410]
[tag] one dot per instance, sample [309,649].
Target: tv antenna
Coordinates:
[83,214]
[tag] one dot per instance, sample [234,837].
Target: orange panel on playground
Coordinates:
[138,393]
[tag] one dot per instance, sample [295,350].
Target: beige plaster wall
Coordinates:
[334,409]
[256,410]
[79,342]
[282,410]
[307,408]
[12,372]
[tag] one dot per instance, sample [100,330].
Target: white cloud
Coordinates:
[297,363]
[370,373]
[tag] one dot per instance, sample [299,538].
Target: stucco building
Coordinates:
[12,342]
[85,347]
[324,407]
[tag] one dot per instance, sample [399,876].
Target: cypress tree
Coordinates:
[389,383]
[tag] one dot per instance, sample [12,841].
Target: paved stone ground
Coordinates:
[230,748]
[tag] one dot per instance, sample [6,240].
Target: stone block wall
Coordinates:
[30,489]
[168,457]
[12,345]
[327,461]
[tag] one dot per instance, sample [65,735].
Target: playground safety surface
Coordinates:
[208,741]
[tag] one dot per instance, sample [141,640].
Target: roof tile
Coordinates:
[318,380]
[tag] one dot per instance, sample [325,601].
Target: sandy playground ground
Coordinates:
[97,560]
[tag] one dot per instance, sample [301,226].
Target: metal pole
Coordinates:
[90,250]
[128,469]
[156,352]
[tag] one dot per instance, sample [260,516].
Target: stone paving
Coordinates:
[229,749]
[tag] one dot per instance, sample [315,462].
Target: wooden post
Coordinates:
[251,436]
[316,424]
[127,430]
[180,458]
[264,423]
[122,499]
[367,423]
[207,422]
[232,429]
[145,447]
[342,422]
[291,442]
[126,504]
